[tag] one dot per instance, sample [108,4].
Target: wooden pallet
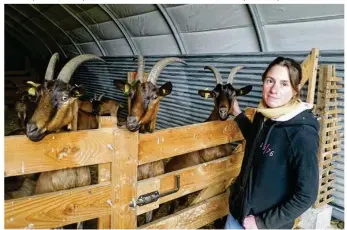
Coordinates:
[330,131]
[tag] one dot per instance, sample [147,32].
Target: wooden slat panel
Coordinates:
[196,177]
[332,128]
[58,208]
[124,179]
[57,151]
[329,87]
[195,216]
[175,141]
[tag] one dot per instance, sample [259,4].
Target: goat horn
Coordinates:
[233,72]
[71,66]
[101,96]
[94,96]
[159,66]
[51,66]
[140,68]
[216,74]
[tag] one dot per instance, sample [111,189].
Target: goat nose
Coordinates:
[223,111]
[31,127]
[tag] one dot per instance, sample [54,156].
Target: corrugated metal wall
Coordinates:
[184,106]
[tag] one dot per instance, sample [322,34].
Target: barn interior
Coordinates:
[221,35]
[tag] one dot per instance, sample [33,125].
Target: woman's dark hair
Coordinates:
[294,70]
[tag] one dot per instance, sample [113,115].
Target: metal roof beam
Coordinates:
[15,20]
[253,11]
[67,9]
[38,26]
[56,25]
[20,39]
[173,28]
[124,31]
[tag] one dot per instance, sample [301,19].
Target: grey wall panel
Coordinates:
[127,10]
[184,106]
[80,35]
[70,50]
[221,41]
[148,24]
[117,47]
[91,48]
[329,35]
[106,31]
[291,12]
[157,45]
[201,17]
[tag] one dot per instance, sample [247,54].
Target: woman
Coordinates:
[279,176]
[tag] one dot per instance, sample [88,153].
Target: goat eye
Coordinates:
[155,96]
[64,98]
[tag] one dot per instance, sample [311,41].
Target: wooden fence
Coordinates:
[118,153]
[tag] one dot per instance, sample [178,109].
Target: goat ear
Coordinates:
[243,91]
[77,91]
[165,89]
[207,93]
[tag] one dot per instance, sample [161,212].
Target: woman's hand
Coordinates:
[236,108]
[249,222]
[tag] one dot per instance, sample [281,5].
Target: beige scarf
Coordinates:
[273,113]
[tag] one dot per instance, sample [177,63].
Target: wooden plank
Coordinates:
[336,79]
[326,179]
[209,192]
[307,66]
[321,204]
[328,161]
[337,150]
[331,145]
[311,72]
[218,188]
[330,87]
[104,175]
[124,179]
[326,170]
[107,122]
[57,151]
[333,95]
[330,129]
[326,193]
[331,137]
[327,185]
[195,216]
[151,186]
[176,141]
[334,111]
[59,208]
[195,178]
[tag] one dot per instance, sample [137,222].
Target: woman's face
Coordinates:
[277,90]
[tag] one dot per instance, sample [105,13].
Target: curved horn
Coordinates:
[140,67]
[159,66]
[51,66]
[233,72]
[100,96]
[94,96]
[216,74]
[71,66]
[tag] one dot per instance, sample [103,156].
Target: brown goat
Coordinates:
[223,95]
[143,108]
[57,109]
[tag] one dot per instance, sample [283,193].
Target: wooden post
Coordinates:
[124,179]
[309,72]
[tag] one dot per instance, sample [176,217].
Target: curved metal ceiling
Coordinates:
[123,30]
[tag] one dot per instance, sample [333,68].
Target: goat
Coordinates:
[223,95]
[100,106]
[143,108]
[26,103]
[57,109]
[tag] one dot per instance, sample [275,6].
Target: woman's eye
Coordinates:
[268,81]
